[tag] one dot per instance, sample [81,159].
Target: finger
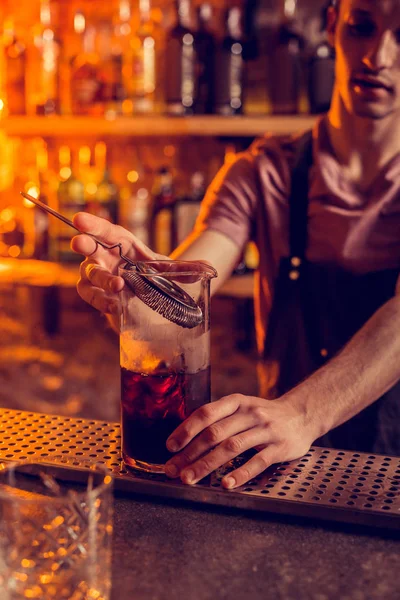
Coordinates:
[84,244]
[252,468]
[97,297]
[102,278]
[223,453]
[113,234]
[203,417]
[208,439]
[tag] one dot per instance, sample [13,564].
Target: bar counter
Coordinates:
[262,541]
[175,551]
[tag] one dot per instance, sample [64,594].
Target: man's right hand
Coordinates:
[99,283]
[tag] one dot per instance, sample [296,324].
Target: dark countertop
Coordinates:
[191,552]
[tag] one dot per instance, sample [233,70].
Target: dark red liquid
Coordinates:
[153,406]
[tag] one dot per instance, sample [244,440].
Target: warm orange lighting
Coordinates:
[127,107]
[14,251]
[133,176]
[1,105]
[169,151]
[84,155]
[91,188]
[34,191]
[42,158]
[156,15]
[100,153]
[65,173]
[64,156]
[7,214]
[79,22]
[45,14]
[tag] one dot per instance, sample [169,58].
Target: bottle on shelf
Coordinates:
[205,50]
[15,59]
[321,73]
[71,199]
[46,97]
[137,218]
[229,82]
[41,247]
[105,200]
[85,83]
[286,64]
[187,207]
[110,71]
[121,59]
[180,89]
[143,59]
[162,224]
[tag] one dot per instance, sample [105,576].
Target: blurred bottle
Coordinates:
[86,86]
[137,221]
[321,72]
[162,224]
[71,199]
[105,201]
[121,51]
[41,246]
[285,64]
[47,86]
[187,207]
[205,49]
[180,51]
[230,67]
[110,63]
[15,71]
[143,61]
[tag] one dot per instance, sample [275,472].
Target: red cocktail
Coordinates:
[153,405]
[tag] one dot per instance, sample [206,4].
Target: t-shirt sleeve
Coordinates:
[230,202]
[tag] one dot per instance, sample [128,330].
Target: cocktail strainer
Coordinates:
[157,292]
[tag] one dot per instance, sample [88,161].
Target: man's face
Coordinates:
[366,37]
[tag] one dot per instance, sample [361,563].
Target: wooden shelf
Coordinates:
[154,126]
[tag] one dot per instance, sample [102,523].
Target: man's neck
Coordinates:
[362,146]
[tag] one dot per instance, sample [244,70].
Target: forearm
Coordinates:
[219,250]
[366,368]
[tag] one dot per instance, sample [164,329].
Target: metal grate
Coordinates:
[328,484]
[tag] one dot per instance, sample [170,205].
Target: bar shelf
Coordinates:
[154,126]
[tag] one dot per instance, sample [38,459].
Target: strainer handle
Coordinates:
[55,213]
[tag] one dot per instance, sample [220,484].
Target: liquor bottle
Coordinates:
[47,92]
[162,224]
[86,86]
[15,71]
[108,50]
[285,71]
[230,67]
[105,202]
[187,207]
[41,218]
[321,71]
[71,199]
[137,219]
[205,50]
[143,57]
[180,92]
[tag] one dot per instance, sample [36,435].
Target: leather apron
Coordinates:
[316,309]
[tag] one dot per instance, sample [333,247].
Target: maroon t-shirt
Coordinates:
[357,231]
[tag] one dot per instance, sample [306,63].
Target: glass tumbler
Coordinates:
[55,538]
[165,368]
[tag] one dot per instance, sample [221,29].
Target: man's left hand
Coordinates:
[218,432]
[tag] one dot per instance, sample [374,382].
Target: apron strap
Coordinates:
[298,200]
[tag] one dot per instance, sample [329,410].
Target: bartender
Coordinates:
[324,211]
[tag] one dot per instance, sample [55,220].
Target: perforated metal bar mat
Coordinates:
[328,484]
